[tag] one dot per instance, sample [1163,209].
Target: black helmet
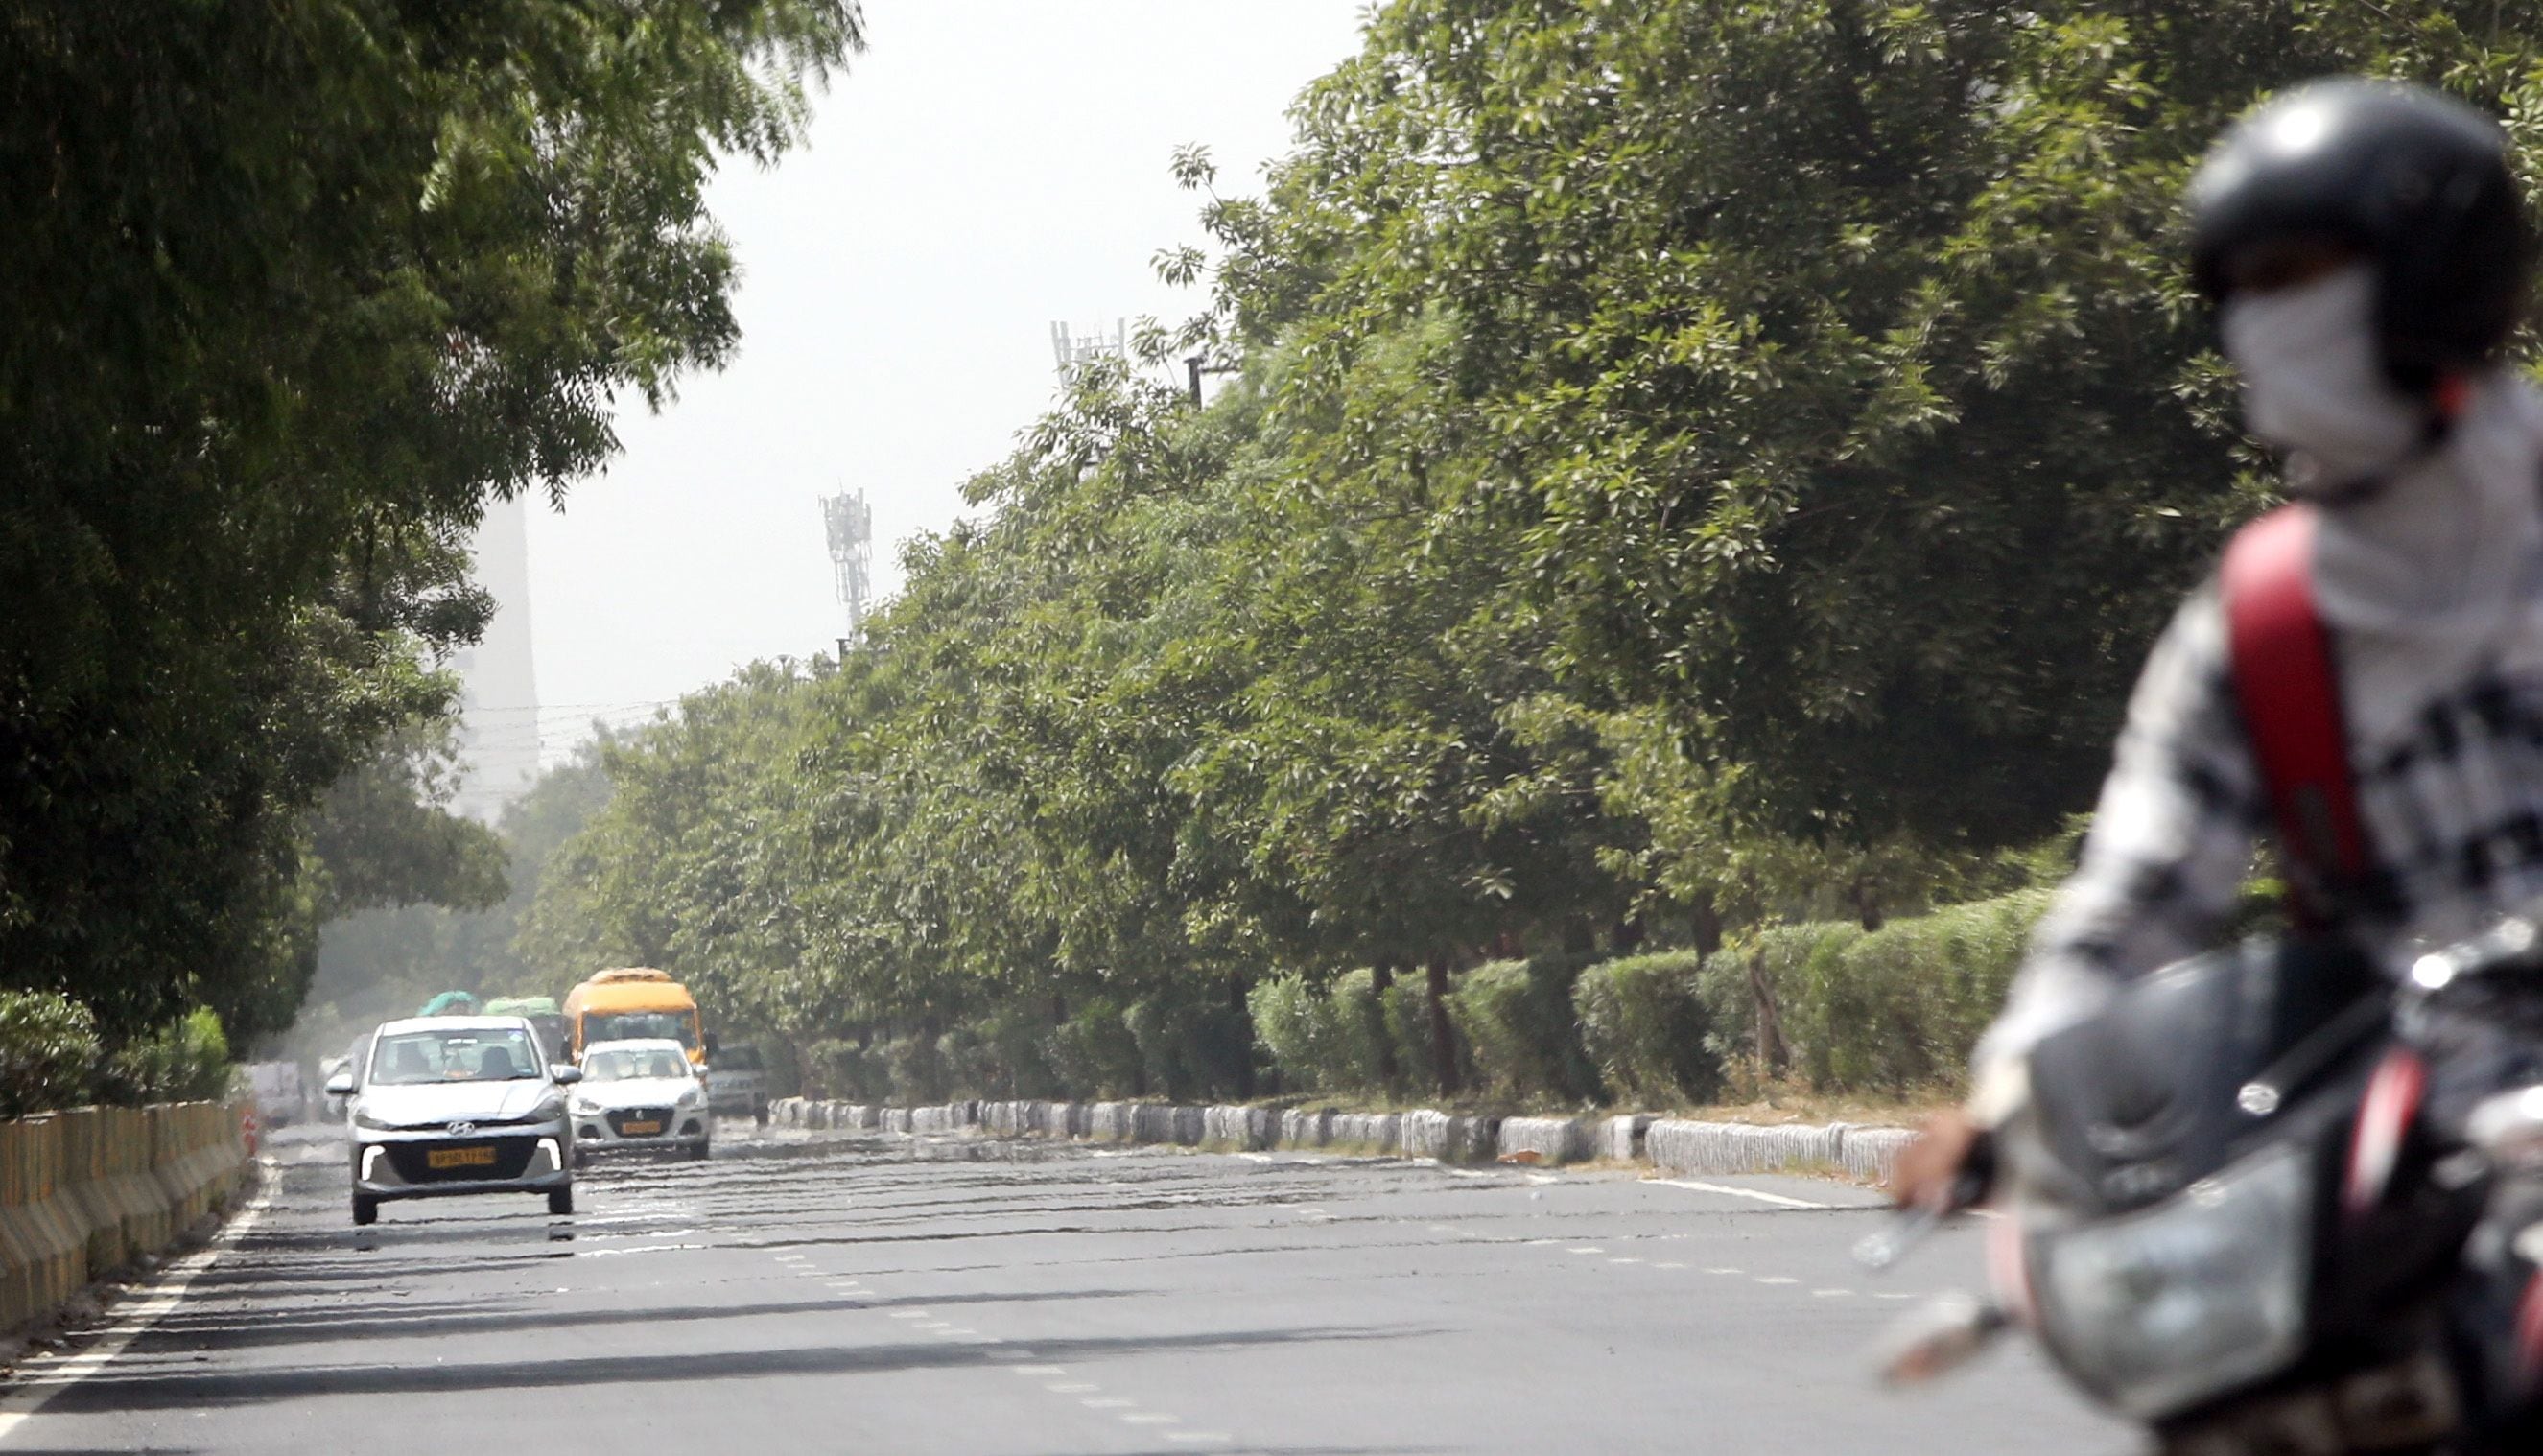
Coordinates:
[2417,182]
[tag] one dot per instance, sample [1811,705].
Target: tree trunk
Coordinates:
[1245,1037]
[1866,904]
[1443,1032]
[1706,924]
[1625,936]
[1772,1054]
[1381,979]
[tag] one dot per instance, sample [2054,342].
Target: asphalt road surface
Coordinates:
[830,1293]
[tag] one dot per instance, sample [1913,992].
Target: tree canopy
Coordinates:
[295,288]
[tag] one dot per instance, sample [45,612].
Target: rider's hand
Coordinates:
[1926,1168]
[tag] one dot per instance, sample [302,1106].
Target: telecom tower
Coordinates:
[1069,350]
[851,523]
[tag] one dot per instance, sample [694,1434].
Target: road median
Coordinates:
[1675,1146]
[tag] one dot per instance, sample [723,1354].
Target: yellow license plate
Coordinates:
[632,1130]
[459,1158]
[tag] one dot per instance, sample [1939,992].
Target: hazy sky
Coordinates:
[987,167]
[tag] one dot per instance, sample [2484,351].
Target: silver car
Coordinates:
[445,1105]
[641,1093]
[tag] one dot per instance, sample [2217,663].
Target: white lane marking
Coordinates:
[1199,1437]
[1725,1269]
[1668,1265]
[1831,1293]
[905,1314]
[1586,1249]
[1107,1402]
[166,1294]
[1892,1294]
[1624,1261]
[1071,1387]
[1760,1195]
[1775,1279]
[1152,1418]
[1257,1157]
[1454,1172]
[1040,1370]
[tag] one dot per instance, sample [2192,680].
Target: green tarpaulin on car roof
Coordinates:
[450,1003]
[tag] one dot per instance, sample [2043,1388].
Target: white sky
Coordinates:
[990,166]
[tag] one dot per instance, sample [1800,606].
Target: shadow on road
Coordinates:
[233,1330]
[109,1393]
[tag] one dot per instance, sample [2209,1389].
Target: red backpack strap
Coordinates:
[2289,687]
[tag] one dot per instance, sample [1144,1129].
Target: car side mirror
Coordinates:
[566,1076]
[341,1085]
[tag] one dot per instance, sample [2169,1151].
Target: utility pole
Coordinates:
[1199,364]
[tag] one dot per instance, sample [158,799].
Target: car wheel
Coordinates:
[366,1210]
[561,1201]
[698,1153]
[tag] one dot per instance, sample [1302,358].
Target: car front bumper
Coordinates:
[532,1159]
[685,1127]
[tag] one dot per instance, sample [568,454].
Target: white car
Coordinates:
[736,1082]
[641,1094]
[449,1105]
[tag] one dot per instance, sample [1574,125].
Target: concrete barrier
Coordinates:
[85,1190]
[1735,1147]
[124,1203]
[1550,1139]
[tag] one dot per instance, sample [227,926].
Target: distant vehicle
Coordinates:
[282,1097]
[544,1016]
[634,1003]
[641,1094]
[457,1105]
[738,1082]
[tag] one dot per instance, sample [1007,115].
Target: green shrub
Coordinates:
[1191,1049]
[50,1052]
[1644,1028]
[1361,1034]
[1901,1009]
[1784,954]
[843,1071]
[185,1061]
[1518,1018]
[1326,1039]
[1094,1055]
[1008,1055]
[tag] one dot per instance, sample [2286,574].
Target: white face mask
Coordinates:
[2313,382]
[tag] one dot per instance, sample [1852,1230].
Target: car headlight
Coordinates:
[2204,1291]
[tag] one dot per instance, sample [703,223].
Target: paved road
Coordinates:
[837,1294]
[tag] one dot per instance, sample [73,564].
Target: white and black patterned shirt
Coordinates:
[2444,673]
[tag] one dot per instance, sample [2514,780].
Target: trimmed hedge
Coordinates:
[1644,1026]
[1895,1011]
[1518,1018]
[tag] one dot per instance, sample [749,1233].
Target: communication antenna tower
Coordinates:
[851,525]
[1069,350]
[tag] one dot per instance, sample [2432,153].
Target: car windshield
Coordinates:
[409,1058]
[640,1025]
[737,1059]
[622,1066]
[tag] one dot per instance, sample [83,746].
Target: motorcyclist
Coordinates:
[2365,247]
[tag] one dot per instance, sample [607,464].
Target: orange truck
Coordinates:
[634,1001]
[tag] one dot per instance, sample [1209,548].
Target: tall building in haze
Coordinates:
[499,731]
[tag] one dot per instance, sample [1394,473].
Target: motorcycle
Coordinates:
[2267,1201]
